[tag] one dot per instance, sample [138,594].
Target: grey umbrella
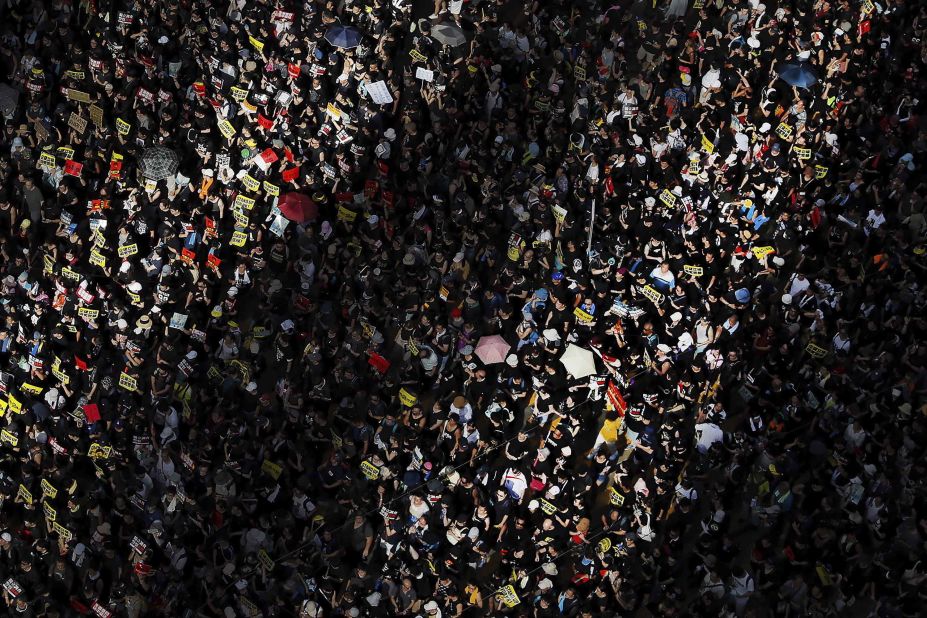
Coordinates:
[8,98]
[448,34]
[158,163]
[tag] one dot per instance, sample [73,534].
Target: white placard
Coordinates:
[424,74]
[379,93]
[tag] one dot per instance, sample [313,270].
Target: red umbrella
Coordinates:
[298,207]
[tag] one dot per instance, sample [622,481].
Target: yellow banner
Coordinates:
[407,398]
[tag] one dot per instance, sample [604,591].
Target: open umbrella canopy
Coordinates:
[343,37]
[448,34]
[578,361]
[8,99]
[798,75]
[492,349]
[158,163]
[298,207]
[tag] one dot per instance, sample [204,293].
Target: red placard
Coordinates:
[378,362]
[615,398]
[269,156]
[291,174]
[73,168]
[265,122]
[91,412]
[187,256]
[293,69]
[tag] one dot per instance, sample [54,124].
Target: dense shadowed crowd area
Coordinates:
[462,309]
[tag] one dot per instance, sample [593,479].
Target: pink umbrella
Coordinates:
[298,207]
[492,349]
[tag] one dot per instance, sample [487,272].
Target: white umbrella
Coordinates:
[579,362]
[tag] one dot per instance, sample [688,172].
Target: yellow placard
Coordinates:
[652,294]
[25,494]
[98,451]
[815,351]
[508,596]
[239,94]
[128,382]
[127,250]
[65,152]
[15,404]
[668,198]
[332,110]
[77,95]
[226,129]
[614,497]
[3,406]
[802,153]
[122,127]
[256,44]
[582,316]
[369,470]
[48,489]
[6,436]
[96,115]
[242,201]
[346,215]
[63,533]
[241,219]
[707,146]
[251,183]
[87,313]
[69,273]
[265,560]
[271,190]
[238,239]
[47,161]
[784,130]
[417,56]
[695,271]
[271,469]
[406,398]
[97,259]
[547,507]
[820,171]
[50,513]
[31,389]
[761,252]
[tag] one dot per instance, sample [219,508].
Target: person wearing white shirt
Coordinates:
[707,434]
[874,220]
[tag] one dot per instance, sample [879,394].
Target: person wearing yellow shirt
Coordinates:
[608,433]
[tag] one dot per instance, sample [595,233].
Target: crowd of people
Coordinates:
[527,309]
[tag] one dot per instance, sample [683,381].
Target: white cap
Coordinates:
[390,134]
[233,291]
[786,299]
